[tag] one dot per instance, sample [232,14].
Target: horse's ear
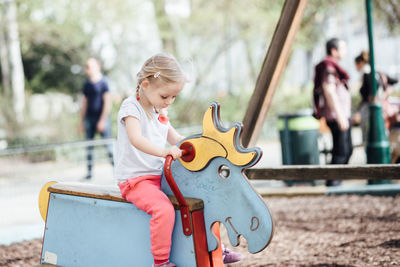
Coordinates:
[216,141]
[228,138]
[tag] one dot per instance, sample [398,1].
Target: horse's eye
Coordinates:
[224,171]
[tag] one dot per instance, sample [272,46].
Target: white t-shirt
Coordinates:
[130,162]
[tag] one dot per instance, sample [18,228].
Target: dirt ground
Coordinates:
[309,231]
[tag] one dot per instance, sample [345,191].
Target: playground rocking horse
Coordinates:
[91,225]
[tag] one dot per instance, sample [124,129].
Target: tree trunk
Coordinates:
[14,71]
[165,28]
[5,68]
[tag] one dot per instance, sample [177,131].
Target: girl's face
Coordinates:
[161,95]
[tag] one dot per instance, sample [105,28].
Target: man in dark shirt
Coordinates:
[96,107]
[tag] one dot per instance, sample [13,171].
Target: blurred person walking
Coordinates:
[385,83]
[95,110]
[332,100]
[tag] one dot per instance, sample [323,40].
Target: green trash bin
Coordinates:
[298,134]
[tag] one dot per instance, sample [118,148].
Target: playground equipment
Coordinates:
[394,138]
[91,225]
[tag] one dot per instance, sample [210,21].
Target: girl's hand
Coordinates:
[174,151]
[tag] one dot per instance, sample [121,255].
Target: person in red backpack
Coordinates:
[332,100]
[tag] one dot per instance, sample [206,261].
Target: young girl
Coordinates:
[143,130]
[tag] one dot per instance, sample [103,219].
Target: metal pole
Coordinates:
[378,148]
[371,47]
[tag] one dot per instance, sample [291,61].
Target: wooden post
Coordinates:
[327,172]
[273,66]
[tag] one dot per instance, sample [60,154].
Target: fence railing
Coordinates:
[49,147]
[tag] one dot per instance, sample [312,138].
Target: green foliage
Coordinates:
[312,24]
[50,72]
[58,36]
[51,50]
[232,110]
[291,100]
[388,11]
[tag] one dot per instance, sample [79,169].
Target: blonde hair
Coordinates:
[160,67]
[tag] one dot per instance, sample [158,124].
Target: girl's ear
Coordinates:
[145,84]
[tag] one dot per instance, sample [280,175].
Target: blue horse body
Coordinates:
[231,201]
[218,179]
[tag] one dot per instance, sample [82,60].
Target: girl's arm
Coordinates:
[136,138]
[173,136]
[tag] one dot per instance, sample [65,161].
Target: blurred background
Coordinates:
[44,45]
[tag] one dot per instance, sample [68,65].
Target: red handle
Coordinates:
[174,187]
[188,154]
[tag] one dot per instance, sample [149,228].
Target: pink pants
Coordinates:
[145,193]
